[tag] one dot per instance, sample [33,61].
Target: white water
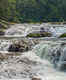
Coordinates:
[55,52]
[4,45]
[29,65]
[57,31]
[39,62]
[24,29]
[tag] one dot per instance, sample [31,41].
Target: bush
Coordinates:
[63,35]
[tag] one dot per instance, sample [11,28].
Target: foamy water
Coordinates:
[42,61]
[24,29]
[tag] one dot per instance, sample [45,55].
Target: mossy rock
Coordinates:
[63,35]
[3,26]
[44,34]
[2,32]
[34,35]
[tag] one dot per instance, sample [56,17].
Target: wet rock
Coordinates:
[62,67]
[2,32]
[19,46]
[4,24]
[36,78]
[64,43]
[3,27]
[36,41]
[5,56]
[40,34]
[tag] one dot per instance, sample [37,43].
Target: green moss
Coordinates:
[33,35]
[44,34]
[3,25]
[63,35]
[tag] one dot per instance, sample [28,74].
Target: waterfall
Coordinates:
[25,29]
[54,52]
[16,30]
[45,59]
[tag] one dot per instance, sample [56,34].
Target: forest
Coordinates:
[33,10]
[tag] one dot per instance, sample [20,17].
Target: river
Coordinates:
[46,59]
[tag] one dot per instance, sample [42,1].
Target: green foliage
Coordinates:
[44,34]
[3,9]
[34,35]
[33,10]
[63,35]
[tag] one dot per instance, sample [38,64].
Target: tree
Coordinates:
[3,9]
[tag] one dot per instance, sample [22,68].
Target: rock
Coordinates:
[19,46]
[62,67]
[36,78]
[2,32]
[40,34]
[4,56]
[37,41]
[64,43]
[3,25]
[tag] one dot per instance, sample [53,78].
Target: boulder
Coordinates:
[2,32]
[3,25]
[19,46]
[36,78]
[40,34]
[5,56]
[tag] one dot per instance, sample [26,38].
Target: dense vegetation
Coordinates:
[33,10]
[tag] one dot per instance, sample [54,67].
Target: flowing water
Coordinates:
[46,60]
[24,29]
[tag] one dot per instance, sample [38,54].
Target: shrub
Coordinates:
[63,35]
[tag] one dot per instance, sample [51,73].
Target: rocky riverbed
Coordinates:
[27,66]
[29,58]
